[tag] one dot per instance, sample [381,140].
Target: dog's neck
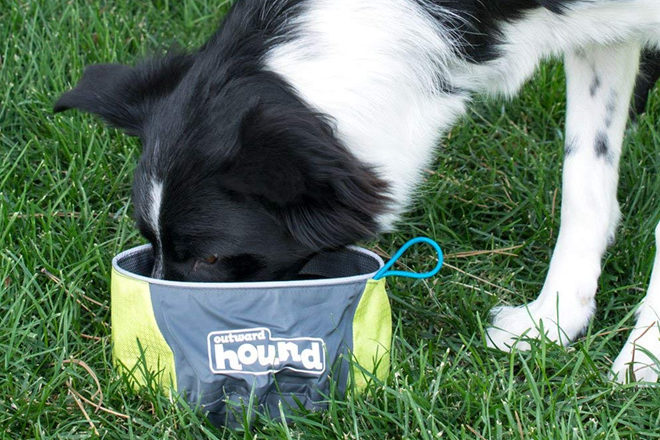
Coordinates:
[373,76]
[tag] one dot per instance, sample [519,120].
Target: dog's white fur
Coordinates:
[156,198]
[375,73]
[374,67]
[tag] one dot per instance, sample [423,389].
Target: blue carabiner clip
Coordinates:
[386,272]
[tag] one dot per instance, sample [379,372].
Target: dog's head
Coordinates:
[238,180]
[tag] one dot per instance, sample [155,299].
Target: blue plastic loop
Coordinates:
[386,272]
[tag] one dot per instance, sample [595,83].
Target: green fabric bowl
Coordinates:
[266,344]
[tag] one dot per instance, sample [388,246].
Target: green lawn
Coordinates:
[65,211]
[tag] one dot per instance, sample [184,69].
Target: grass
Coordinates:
[65,211]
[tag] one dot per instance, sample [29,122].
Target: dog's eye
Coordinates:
[211,259]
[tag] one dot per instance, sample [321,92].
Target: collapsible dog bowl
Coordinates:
[270,346]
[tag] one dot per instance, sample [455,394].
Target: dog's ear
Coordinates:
[292,161]
[266,164]
[121,95]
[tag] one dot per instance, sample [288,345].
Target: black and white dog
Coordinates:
[305,124]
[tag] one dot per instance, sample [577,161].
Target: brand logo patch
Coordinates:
[255,351]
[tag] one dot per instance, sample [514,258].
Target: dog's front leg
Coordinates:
[599,87]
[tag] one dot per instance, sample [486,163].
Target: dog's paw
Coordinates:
[639,361]
[513,326]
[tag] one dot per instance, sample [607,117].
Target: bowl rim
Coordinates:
[246,285]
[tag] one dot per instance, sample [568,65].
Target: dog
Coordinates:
[304,125]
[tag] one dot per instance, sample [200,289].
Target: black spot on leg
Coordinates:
[570,147]
[602,144]
[595,85]
[610,108]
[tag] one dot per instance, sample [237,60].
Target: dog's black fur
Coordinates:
[477,22]
[649,75]
[255,182]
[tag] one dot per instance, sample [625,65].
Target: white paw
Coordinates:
[512,326]
[639,361]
